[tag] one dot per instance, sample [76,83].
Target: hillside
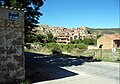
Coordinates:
[93,31]
[104,31]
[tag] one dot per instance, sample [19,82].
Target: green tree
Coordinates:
[50,38]
[42,38]
[32,13]
[33,39]
[90,41]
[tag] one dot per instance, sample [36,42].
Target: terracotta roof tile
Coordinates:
[114,36]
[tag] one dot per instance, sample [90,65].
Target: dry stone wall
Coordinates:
[12,59]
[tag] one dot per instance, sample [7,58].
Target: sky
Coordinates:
[77,13]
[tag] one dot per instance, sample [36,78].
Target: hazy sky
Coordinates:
[76,13]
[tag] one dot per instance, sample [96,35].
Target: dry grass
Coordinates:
[105,55]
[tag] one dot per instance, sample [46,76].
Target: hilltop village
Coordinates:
[65,35]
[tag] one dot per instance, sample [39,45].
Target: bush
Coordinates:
[21,82]
[32,39]
[56,49]
[59,48]
[82,46]
[76,41]
[70,47]
[49,45]
[90,41]
[66,47]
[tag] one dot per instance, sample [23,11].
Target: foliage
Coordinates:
[55,48]
[64,47]
[50,45]
[32,13]
[50,38]
[76,41]
[81,46]
[99,36]
[24,82]
[85,41]
[42,38]
[33,39]
[90,41]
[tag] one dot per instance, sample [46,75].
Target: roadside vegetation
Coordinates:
[46,44]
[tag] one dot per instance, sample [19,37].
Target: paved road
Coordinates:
[91,73]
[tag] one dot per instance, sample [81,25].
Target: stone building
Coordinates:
[109,41]
[62,38]
[11,45]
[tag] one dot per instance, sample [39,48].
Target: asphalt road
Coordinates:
[90,73]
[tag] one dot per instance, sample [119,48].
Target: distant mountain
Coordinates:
[99,31]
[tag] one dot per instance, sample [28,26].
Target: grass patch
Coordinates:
[78,50]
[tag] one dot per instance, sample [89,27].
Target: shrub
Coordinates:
[66,47]
[32,39]
[22,82]
[90,41]
[76,41]
[56,49]
[82,46]
[49,45]
[59,48]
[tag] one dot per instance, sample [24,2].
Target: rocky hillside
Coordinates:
[93,31]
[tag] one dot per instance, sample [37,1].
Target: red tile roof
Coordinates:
[62,41]
[114,36]
[63,35]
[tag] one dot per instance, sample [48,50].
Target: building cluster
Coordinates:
[65,35]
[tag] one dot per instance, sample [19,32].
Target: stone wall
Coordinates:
[105,41]
[12,59]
